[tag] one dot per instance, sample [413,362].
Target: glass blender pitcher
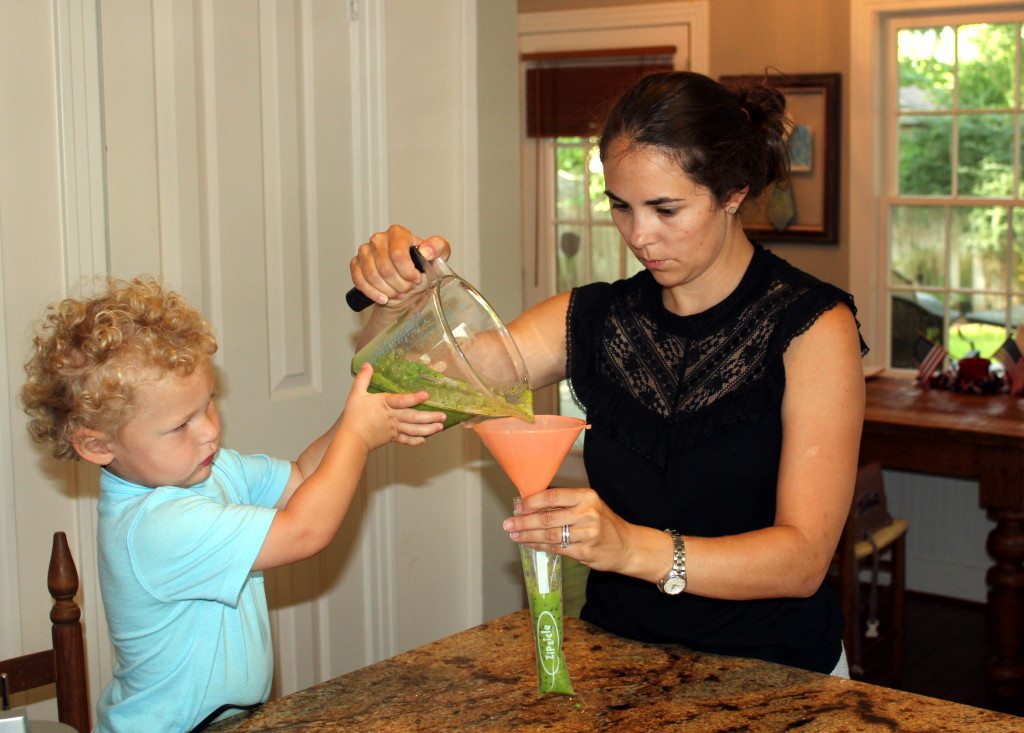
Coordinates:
[450,343]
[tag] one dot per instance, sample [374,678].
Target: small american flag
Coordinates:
[1009,354]
[929,357]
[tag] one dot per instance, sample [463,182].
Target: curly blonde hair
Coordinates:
[91,355]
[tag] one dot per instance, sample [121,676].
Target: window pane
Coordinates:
[1016,314]
[925,57]
[913,314]
[1017,281]
[977,251]
[569,257]
[982,308]
[605,254]
[1020,158]
[986,155]
[916,245]
[925,161]
[985,58]
[599,207]
[633,265]
[567,406]
[985,338]
[569,183]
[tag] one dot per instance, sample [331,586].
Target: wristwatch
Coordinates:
[675,582]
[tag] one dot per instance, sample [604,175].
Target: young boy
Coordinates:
[124,380]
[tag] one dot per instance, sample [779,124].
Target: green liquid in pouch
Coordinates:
[546,615]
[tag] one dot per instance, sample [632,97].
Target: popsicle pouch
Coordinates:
[543,574]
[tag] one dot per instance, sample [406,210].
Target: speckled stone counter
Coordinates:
[484,679]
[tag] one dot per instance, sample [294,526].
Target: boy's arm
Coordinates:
[307,463]
[325,477]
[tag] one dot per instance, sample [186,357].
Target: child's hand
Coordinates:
[381,418]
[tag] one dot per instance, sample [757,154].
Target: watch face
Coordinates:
[674,585]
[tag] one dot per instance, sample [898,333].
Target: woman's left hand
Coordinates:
[598,537]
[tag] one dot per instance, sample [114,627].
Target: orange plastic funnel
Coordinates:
[530,453]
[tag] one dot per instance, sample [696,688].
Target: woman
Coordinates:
[723,386]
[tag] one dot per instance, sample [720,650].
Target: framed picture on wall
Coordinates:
[807,208]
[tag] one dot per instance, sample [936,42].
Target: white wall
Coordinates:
[498,241]
[946,538]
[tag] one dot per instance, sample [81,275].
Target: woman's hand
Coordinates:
[598,537]
[383,268]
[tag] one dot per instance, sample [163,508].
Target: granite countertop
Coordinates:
[484,679]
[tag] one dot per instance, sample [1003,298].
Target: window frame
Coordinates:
[870,115]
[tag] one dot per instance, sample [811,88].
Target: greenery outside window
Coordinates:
[954,212]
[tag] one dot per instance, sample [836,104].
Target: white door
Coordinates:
[248,148]
[229,172]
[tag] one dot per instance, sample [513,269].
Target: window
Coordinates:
[588,246]
[954,212]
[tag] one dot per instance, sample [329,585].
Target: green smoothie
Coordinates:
[544,589]
[456,398]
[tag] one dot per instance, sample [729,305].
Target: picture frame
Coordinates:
[808,212]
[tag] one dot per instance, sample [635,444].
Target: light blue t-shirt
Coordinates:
[187,617]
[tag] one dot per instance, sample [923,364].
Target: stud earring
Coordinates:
[731,210]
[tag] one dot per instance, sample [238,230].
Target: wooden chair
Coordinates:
[875,542]
[64,664]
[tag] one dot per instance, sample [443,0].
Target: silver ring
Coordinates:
[565,535]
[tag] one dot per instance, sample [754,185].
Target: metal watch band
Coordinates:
[675,581]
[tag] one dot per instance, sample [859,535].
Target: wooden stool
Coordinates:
[872,542]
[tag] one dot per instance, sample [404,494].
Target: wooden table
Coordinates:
[484,680]
[972,437]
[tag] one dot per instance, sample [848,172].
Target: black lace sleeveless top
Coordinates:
[686,434]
